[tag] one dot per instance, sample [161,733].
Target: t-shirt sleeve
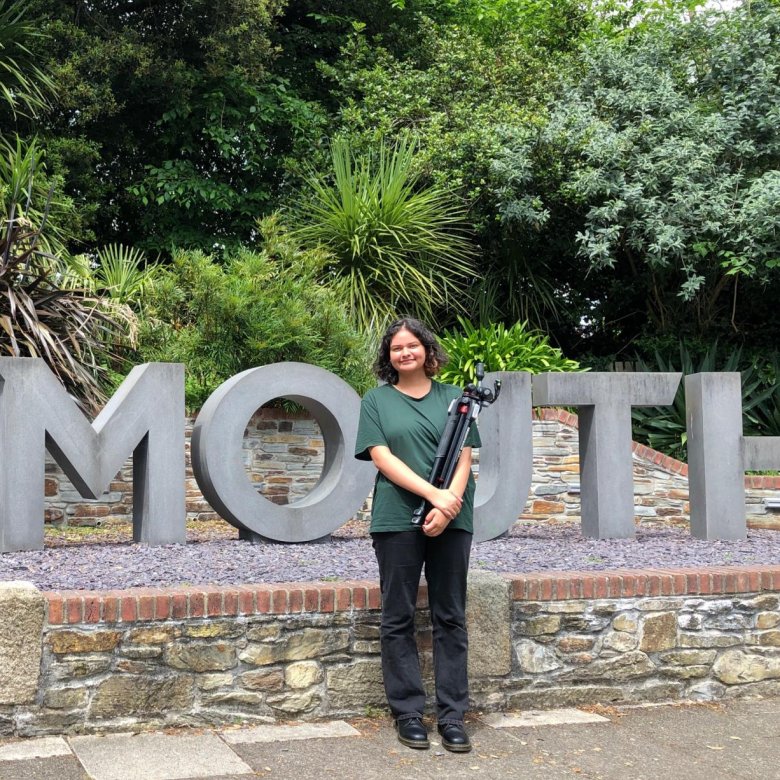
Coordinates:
[370,432]
[472,438]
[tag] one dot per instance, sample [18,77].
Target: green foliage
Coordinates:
[397,246]
[38,318]
[659,161]
[170,125]
[500,349]
[25,87]
[664,428]
[224,147]
[252,309]
[456,91]
[119,273]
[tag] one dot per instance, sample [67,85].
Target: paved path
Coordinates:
[732,741]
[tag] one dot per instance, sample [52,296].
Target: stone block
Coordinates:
[355,686]
[303,674]
[201,656]
[123,696]
[209,682]
[767,620]
[542,624]
[309,643]
[658,632]
[735,667]
[625,623]
[627,666]
[534,658]
[488,606]
[214,629]
[65,698]
[80,667]
[67,641]
[574,644]
[620,641]
[564,696]
[296,702]
[21,629]
[686,657]
[262,680]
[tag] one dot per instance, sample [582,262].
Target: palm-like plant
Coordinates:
[24,87]
[397,244]
[38,318]
[120,273]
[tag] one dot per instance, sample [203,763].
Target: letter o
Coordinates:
[217,446]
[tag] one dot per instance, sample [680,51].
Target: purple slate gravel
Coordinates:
[529,548]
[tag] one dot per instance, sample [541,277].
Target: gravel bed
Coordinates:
[530,547]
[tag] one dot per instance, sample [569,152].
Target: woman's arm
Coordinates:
[448,502]
[435,521]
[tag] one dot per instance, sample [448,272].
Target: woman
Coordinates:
[401,424]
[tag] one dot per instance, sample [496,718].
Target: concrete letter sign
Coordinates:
[604,402]
[719,455]
[506,456]
[217,452]
[144,418]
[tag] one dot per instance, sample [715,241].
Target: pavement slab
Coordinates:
[562,717]
[157,756]
[42,747]
[58,768]
[286,733]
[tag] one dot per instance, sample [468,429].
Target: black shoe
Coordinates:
[412,733]
[454,738]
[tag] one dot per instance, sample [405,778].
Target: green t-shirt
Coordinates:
[411,428]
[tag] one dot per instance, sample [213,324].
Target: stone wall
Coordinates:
[197,656]
[283,455]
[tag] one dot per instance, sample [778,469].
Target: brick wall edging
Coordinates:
[649,454]
[73,607]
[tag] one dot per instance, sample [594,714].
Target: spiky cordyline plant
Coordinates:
[67,328]
[398,246]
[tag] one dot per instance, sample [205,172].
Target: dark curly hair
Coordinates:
[435,356]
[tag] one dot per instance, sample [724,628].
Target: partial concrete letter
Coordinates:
[217,452]
[604,402]
[145,418]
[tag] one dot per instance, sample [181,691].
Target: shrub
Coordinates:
[501,349]
[664,427]
[251,309]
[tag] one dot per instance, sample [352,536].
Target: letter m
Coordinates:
[144,418]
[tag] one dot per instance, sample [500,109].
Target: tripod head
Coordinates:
[482,395]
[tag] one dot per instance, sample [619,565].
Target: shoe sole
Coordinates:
[414,743]
[456,748]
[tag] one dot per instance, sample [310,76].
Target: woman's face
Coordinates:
[407,354]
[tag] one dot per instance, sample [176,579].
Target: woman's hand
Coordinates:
[435,523]
[447,502]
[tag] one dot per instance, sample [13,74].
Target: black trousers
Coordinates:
[402,556]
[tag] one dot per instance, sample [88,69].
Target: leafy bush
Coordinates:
[252,309]
[500,349]
[664,427]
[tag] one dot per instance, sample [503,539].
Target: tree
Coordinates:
[171,126]
[660,163]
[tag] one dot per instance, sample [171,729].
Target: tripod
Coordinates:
[462,413]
